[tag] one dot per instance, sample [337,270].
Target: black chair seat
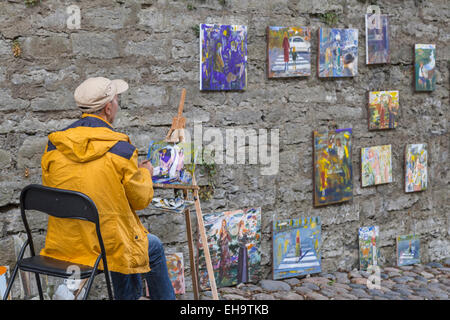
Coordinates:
[53,267]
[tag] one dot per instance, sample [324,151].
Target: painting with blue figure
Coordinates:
[172,163]
[223,57]
[338,53]
[296,247]
[408,250]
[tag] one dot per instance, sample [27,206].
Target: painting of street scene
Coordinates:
[234,240]
[296,247]
[416,173]
[223,57]
[377,39]
[408,250]
[368,247]
[424,66]
[288,52]
[333,171]
[383,110]
[338,53]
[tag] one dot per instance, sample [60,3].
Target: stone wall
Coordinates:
[154,46]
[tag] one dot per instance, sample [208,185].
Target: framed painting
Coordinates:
[368,247]
[296,247]
[338,53]
[377,39]
[408,250]
[424,67]
[223,57]
[376,165]
[175,267]
[234,240]
[332,162]
[416,171]
[288,52]
[383,110]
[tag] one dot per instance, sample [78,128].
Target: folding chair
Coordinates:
[62,204]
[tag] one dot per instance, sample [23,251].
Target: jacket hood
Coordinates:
[81,143]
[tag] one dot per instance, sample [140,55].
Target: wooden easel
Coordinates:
[176,131]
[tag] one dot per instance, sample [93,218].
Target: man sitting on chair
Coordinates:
[91,157]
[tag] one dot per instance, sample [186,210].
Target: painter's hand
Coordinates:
[146,164]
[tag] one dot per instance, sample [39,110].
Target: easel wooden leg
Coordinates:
[194,271]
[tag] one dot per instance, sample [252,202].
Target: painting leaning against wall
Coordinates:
[333,171]
[376,165]
[416,171]
[383,110]
[234,240]
[175,267]
[408,250]
[296,247]
[368,247]
[424,67]
[223,57]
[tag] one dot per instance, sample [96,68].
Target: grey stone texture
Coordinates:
[153,46]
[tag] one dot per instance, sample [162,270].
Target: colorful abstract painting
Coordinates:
[377,39]
[376,165]
[288,52]
[223,57]
[333,171]
[338,53]
[424,66]
[175,266]
[172,163]
[4,281]
[383,110]
[416,171]
[234,240]
[296,247]
[408,250]
[368,247]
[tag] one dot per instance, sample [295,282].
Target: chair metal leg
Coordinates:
[91,277]
[38,282]
[108,285]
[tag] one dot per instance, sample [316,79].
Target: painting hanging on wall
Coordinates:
[223,57]
[333,171]
[416,174]
[234,240]
[424,67]
[288,52]
[338,53]
[296,247]
[377,39]
[368,247]
[172,163]
[376,165]
[383,110]
[175,267]
[408,250]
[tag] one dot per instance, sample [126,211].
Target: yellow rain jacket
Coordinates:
[92,158]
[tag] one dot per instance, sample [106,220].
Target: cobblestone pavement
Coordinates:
[417,282]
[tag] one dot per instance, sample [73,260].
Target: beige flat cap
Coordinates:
[94,93]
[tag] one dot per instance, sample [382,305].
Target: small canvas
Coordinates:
[424,67]
[234,240]
[175,266]
[408,250]
[368,247]
[223,57]
[416,171]
[376,165]
[338,53]
[296,247]
[288,52]
[333,171]
[383,110]
[172,163]
[377,39]
[4,281]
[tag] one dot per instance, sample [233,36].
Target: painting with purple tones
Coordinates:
[223,57]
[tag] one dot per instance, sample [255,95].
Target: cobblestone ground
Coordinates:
[418,282]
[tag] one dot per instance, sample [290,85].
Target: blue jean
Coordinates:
[129,286]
